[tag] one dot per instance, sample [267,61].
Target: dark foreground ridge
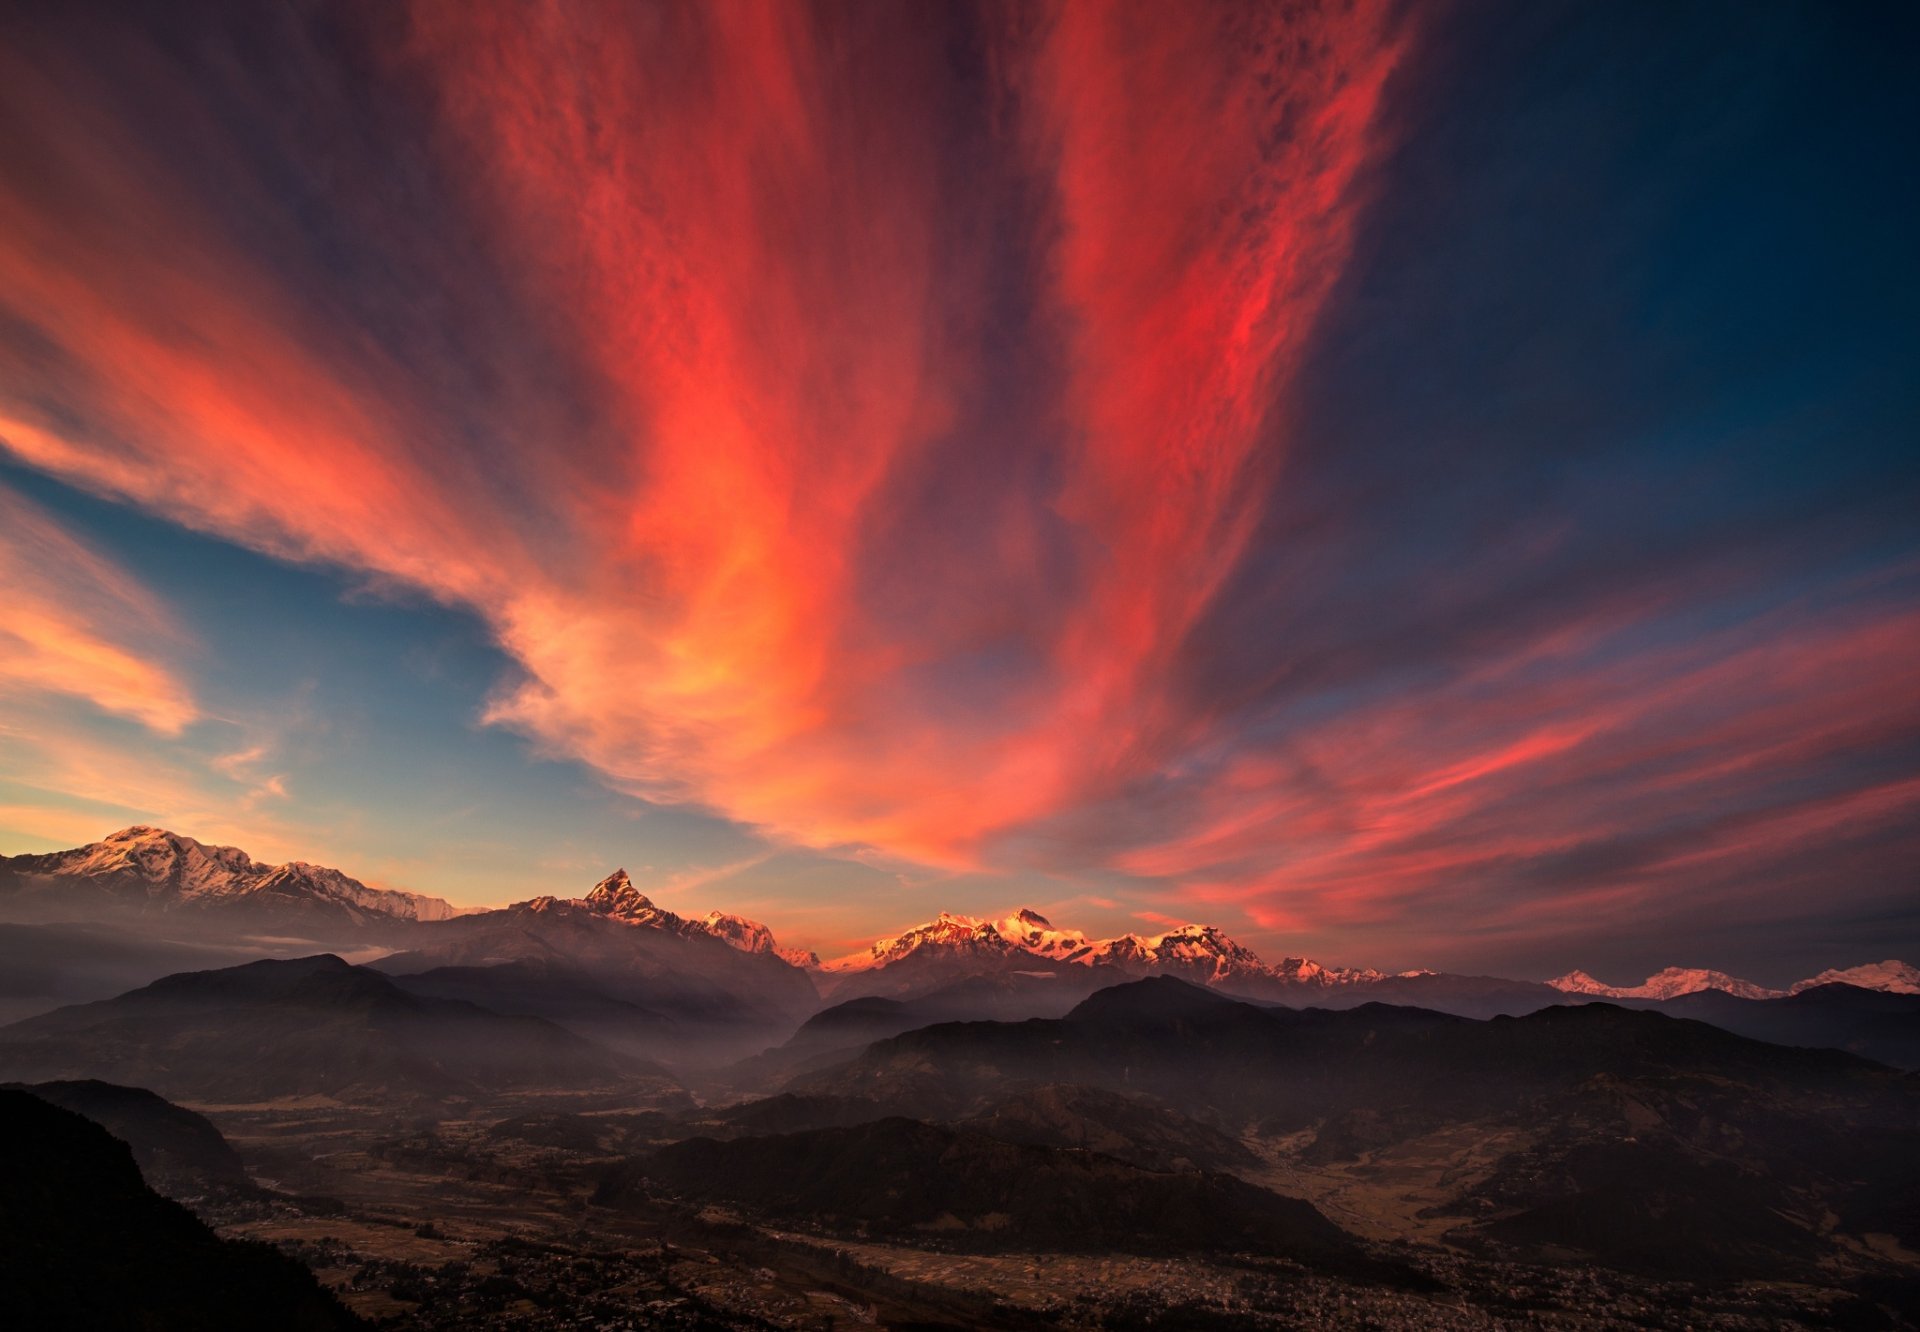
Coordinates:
[88,1245]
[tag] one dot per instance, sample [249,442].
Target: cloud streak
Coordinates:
[76,624]
[734,221]
[900,433]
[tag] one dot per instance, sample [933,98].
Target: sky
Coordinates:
[1412,485]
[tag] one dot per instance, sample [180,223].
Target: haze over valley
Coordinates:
[1070,665]
[523,1116]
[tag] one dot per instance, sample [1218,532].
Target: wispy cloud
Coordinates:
[894,431]
[77,624]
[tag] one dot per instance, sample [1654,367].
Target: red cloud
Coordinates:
[741,226]
[783,534]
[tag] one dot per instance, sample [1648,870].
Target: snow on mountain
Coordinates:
[749,936]
[1668,984]
[617,898]
[946,932]
[1028,929]
[1199,952]
[165,870]
[1890,976]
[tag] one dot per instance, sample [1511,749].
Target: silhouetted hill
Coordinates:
[1206,1054]
[835,1033]
[313,1026]
[561,994]
[1874,1024]
[88,1245]
[900,1178]
[44,967]
[1565,1080]
[712,1002]
[1010,998]
[180,1153]
[1442,992]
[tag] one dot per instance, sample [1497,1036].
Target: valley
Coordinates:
[592,1111]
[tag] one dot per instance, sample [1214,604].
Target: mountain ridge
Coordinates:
[153,870]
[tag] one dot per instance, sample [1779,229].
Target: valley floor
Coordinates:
[441,1223]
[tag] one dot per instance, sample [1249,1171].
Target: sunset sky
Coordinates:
[1411,484]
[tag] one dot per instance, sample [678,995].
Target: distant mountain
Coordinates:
[1890,976]
[902,1179]
[1438,991]
[695,996]
[750,936]
[311,1027]
[180,1153]
[89,1245]
[1006,997]
[839,1031]
[150,871]
[1213,1056]
[1876,1024]
[616,898]
[46,966]
[1668,984]
[953,947]
[556,991]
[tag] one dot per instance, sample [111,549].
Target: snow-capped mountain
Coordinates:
[1668,984]
[616,898]
[1197,952]
[946,933]
[1891,976]
[155,870]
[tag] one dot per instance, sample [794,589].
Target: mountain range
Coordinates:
[978,1088]
[1890,976]
[1618,1125]
[153,871]
[613,964]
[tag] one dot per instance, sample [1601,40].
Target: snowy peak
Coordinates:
[616,898]
[164,870]
[1029,930]
[161,858]
[1579,982]
[1891,976]
[749,936]
[1668,984]
[1200,953]
[946,933]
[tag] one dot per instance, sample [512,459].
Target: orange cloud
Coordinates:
[77,624]
[850,421]
[735,222]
